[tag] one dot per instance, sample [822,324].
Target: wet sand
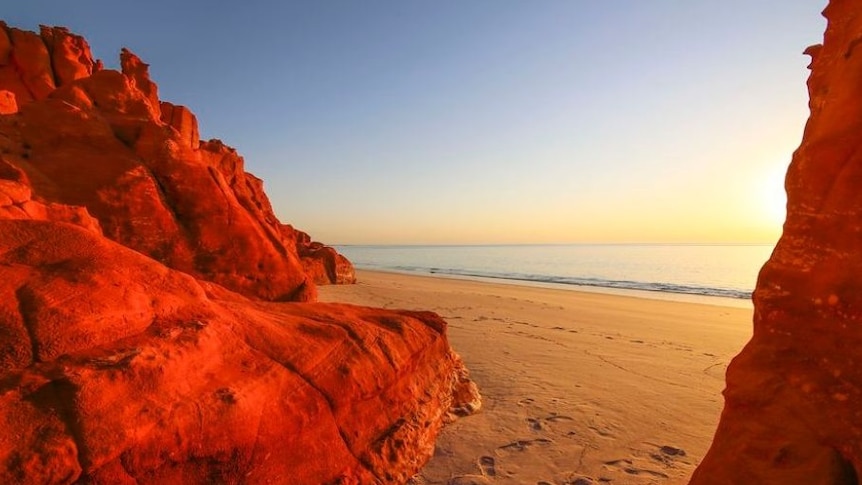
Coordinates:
[578,387]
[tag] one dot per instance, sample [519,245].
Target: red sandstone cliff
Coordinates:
[101,139]
[127,354]
[792,413]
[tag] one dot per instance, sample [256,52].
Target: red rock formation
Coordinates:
[16,202]
[322,263]
[792,411]
[184,121]
[71,58]
[8,103]
[123,357]
[27,70]
[150,181]
[116,369]
[138,74]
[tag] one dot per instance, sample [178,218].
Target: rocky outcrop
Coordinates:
[33,65]
[116,369]
[103,140]
[16,202]
[128,354]
[791,410]
[8,104]
[322,263]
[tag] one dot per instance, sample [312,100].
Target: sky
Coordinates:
[486,121]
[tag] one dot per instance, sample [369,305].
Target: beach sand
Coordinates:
[577,387]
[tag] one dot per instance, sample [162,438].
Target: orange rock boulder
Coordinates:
[8,102]
[117,369]
[791,412]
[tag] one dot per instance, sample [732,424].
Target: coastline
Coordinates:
[576,384]
[671,296]
[722,274]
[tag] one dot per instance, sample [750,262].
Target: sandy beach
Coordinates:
[578,387]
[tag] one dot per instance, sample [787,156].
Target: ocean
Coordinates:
[694,272]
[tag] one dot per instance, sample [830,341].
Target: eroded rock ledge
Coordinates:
[136,342]
[792,411]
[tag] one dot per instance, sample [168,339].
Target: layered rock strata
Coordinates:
[792,410]
[136,342]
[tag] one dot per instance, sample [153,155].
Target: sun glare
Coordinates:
[773,198]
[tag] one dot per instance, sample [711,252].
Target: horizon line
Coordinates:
[582,243]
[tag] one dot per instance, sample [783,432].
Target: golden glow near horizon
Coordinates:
[744,207]
[773,198]
[690,187]
[494,122]
[684,139]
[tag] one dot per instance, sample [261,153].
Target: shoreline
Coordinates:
[612,388]
[744,303]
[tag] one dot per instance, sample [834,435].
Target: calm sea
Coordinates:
[728,272]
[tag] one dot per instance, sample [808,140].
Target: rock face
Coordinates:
[322,263]
[151,183]
[792,410]
[128,354]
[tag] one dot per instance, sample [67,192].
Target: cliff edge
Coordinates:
[791,410]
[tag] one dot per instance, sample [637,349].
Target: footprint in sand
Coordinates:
[522,445]
[628,467]
[539,424]
[603,432]
[667,454]
[672,451]
[488,466]
[468,480]
[535,424]
[579,481]
[526,401]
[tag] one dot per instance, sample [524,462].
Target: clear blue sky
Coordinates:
[486,120]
